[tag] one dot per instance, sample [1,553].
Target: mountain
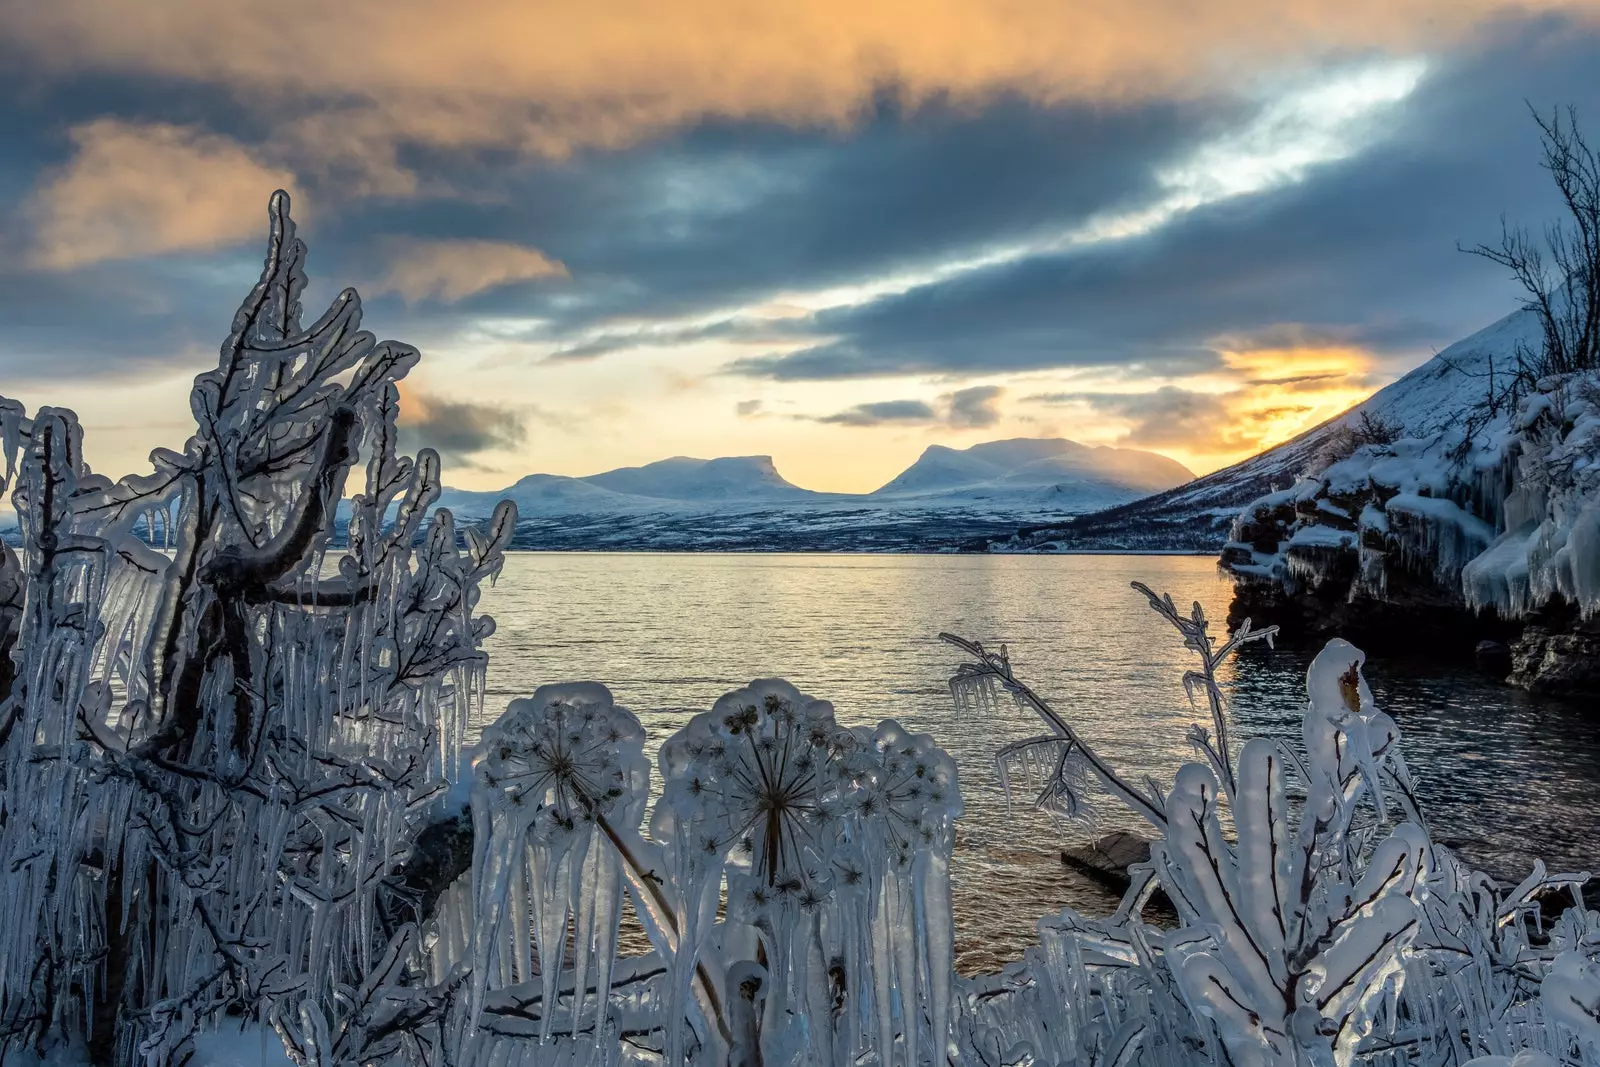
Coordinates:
[731,478]
[1195,516]
[676,484]
[1047,467]
[741,502]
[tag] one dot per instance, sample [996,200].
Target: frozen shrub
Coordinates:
[219,734]
[1319,923]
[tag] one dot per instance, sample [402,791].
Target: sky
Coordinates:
[832,232]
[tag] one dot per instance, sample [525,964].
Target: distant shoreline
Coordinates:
[848,552]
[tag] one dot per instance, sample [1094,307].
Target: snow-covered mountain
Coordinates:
[947,496]
[730,478]
[669,485]
[1196,515]
[1044,471]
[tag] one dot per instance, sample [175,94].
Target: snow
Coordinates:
[1321,537]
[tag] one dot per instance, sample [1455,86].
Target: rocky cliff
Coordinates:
[1487,531]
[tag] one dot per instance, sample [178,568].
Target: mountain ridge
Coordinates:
[1033,476]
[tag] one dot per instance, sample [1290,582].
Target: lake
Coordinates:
[1506,777]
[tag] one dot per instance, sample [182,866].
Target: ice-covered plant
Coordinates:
[794,882]
[218,733]
[554,769]
[1319,924]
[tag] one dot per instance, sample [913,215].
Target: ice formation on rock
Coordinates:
[1501,517]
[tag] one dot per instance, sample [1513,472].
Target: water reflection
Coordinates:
[1506,776]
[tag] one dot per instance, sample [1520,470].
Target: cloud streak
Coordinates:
[551,78]
[974,408]
[453,269]
[881,413]
[147,189]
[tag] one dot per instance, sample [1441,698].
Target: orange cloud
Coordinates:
[1284,392]
[1262,398]
[453,269]
[136,189]
[550,77]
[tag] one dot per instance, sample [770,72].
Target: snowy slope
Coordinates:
[1196,515]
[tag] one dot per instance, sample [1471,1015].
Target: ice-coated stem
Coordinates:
[647,884]
[1193,628]
[998,666]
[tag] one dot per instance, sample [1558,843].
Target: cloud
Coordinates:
[965,409]
[728,215]
[882,412]
[554,77]
[458,428]
[1165,417]
[146,189]
[1238,411]
[451,270]
[976,407]
[745,408]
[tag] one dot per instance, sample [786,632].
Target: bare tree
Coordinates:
[1561,274]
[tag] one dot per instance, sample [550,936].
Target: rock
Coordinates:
[1107,859]
[1546,660]
[1493,658]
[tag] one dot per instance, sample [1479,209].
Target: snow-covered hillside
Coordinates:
[1196,515]
[948,496]
[1448,526]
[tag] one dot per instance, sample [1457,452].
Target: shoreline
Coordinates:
[847,552]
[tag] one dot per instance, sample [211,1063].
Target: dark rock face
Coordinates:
[1557,653]
[1554,651]
[1106,860]
[441,854]
[1419,620]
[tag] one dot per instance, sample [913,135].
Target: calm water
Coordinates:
[1507,777]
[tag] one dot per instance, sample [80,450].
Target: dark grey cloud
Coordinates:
[720,215]
[747,407]
[728,213]
[964,409]
[458,428]
[1362,252]
[880,413]
[976,407]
